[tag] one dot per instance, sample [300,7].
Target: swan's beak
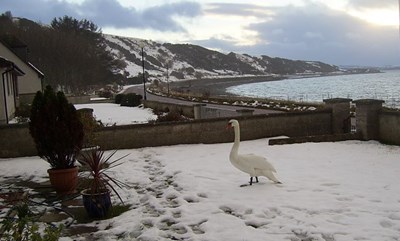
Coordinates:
[228,126]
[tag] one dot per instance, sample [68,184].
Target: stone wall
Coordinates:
[16,140]
[341,118]
[389,127]
[83,99]
[372,123]
[214,130]
[87,99]
[367,118]
[202,111]
[186,110]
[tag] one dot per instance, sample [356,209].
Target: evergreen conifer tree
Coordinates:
[56,128]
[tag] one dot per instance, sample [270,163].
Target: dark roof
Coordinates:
[13,42]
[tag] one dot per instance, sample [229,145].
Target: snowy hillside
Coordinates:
[186,61]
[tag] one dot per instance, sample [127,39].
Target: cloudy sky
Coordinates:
[342,32]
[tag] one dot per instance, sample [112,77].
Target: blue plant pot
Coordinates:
[97,204]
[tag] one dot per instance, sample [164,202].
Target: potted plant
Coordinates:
[98,183]
[58,135]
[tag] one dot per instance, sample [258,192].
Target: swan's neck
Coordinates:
[235,147]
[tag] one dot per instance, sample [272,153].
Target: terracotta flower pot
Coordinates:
[96,204]
[64,181]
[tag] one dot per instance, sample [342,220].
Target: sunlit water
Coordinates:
[384,86]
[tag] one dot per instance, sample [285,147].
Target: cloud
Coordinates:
[316,32]
[106,13]
[311,32]
[161,17]
[373,3]
[41,11]
[324,34]
[238,9]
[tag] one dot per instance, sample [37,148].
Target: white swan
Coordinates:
[253,165]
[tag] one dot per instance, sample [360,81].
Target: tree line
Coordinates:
[71,53]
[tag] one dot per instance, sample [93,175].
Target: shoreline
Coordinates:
[217,86]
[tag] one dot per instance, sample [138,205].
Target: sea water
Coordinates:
[384,86]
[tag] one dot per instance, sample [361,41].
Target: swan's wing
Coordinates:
[257,162]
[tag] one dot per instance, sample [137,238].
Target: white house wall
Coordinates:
[9,93]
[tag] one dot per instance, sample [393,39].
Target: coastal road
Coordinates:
[138,89]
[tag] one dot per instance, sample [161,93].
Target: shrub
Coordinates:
[119,98]
[131,100]
[170,116]
[106,94]
[23,112]
[90,125]
[56,129]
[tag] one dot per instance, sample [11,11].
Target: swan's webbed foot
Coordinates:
[250,183]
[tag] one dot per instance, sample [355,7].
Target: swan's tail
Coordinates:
[271,176]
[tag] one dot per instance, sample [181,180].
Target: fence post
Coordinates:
[367,118]
[341,119]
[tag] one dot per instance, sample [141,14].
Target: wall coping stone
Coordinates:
[315,139]
[369,102]
[390,112]
[337,100]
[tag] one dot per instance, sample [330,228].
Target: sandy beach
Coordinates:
[217,86]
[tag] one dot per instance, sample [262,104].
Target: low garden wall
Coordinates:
[87,99]
[83,99]
[214,130]
[389,127]
[202,111]
[16,140]
[186,110]
[372,123]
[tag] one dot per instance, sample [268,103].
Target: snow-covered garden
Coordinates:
[331,191]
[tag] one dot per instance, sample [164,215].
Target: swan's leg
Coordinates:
[251,180]
[250,183]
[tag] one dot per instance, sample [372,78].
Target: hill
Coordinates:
[77,57]
[187,61]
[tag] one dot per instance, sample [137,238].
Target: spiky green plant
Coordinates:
[26,227]
[97,177]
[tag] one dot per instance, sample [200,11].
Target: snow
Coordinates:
[113,114]
[331,191]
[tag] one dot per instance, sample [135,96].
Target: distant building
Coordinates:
[20,79]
